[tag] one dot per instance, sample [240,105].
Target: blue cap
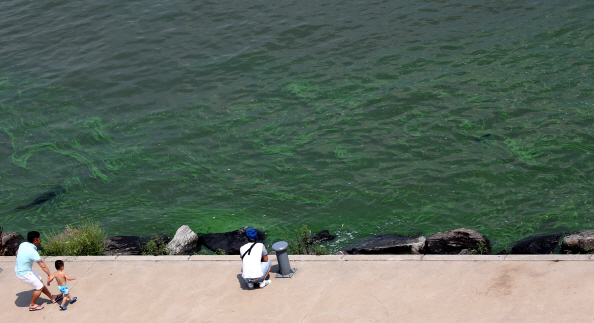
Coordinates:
[251,233]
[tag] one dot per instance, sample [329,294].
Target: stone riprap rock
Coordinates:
[465,252]
[229,242]
[537,245]
[454,241]
[387,244]
[10,243]
[123,245]
[184,242]
[578,242]
[321,236]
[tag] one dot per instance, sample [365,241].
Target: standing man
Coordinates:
[254,256]
[26,255]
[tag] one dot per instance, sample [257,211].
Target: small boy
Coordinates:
[61,277]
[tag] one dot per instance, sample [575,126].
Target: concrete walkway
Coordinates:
[408,288]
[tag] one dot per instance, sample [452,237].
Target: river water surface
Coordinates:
[360,117]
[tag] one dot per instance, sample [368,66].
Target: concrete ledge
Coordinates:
[152,258]
[381,257]
[315,258]
[463,257]
[272,258]
[548,257]
[93,258]
[215,258]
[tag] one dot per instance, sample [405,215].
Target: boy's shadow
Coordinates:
[273,270]
[24,299]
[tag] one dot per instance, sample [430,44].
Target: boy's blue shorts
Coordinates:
[64,289]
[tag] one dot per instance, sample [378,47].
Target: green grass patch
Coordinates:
[155,247]
[301,243]
[84,239]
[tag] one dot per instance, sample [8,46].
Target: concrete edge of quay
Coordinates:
[324,258]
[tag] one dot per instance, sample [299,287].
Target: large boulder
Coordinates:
[388,244]
[454,241]
[185,242]
[123,245]
[229,242]
[578,242]
[10,243]
[537,245]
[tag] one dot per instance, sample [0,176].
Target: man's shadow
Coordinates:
[273,270]
[24,299]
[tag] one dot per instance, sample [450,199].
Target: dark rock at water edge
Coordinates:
[454,241]
[537,245]
[578,242]
[10,243]
[321,236]
[465,252]
[229,242]
[129,245]
[388,244]
[123,245]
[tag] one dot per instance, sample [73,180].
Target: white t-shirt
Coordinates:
[252,265]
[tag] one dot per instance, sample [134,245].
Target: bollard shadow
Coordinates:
[274,269]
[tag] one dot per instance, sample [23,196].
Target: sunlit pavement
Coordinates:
[407,288]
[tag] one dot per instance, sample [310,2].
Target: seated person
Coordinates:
[256,265]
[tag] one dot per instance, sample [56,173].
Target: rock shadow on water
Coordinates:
[483,137]
[44,197]
[386,245]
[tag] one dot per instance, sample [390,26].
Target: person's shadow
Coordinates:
[24,299]
[273,270]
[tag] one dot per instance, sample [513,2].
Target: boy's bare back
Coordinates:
[61,277]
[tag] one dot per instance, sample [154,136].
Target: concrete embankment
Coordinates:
[378,288]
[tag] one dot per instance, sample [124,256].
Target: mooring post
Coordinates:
[285,270]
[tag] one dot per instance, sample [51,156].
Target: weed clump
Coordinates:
[301,243]
[481,249]
[83,239]
[155,247]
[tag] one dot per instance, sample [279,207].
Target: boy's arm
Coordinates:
[68,277]
[50,279]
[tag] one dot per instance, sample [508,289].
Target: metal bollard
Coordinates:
[285,270]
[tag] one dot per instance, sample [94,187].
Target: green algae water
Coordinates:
[360,117]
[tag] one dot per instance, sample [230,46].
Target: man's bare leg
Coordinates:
[36,294]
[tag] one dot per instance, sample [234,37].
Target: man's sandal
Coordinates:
[36,308]
[63,308]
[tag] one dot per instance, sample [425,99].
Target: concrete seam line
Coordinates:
[74,285]
[314,304]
